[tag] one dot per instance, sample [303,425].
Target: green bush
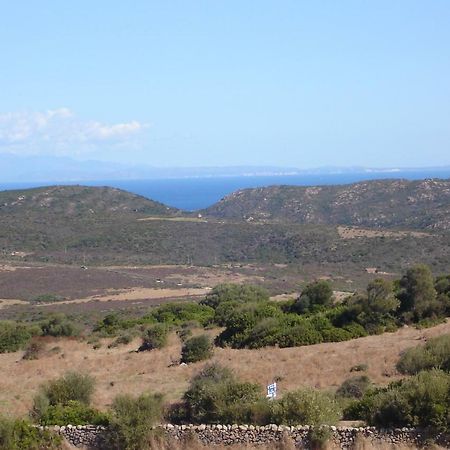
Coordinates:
[20,435]
[215,396]
[196,349]
[13,336]
[435,354]
[179,313]
[306,407]
[132,421]
[241,293]
[59,325]
[420,401]
[74,413]
[72,386]
[316,294]
[354,387]
[155,337]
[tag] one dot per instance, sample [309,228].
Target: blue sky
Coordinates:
[216,83]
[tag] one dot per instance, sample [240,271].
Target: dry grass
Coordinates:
[139,294]
[121,370]
[354,232]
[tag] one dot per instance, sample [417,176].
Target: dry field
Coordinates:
[121,370]
[355,232]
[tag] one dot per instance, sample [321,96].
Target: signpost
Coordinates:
[272,391]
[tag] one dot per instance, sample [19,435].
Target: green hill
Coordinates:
[421,204]
[92,225]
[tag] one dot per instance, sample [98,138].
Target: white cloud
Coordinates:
[60,131]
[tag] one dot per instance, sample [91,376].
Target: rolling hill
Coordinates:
[106,226]
[423,204]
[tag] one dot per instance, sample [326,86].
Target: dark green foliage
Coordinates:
[215,396]
[13,336]
[435,354]
[418,296]
[308,407]
[59,325]
[179,313]
[197,349]
[109,325]
[74,413]
[314,295]
[154,337]
[420,401]
[47,298]
[132,421]
[72,386]
[241,293]
[354,387]
[20,435]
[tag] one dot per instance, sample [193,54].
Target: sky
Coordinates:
[287,83]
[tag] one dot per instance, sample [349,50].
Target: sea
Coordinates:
[192,194]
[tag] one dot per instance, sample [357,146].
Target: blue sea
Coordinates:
[197,193]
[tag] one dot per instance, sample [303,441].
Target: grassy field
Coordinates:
[120,370]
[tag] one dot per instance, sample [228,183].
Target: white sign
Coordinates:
[272,390]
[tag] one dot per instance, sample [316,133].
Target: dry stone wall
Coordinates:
[92,437]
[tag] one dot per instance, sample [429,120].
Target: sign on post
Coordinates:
[272,390]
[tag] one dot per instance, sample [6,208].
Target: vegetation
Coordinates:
[66,398]
[435,354]
[197,349]
[306,406]
[420,401]
[216,396]
[154,337]
[20,435]
[105,227]
[354,387]
[377,203]
[132,421]
[13,336]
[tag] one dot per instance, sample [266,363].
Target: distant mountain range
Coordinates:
[14,168]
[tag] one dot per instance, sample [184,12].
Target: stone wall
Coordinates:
[344,437]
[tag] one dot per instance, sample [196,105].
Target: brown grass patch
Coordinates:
[121,370]
[355,232]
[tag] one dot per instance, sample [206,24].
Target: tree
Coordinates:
[230,292]
[319,293]
[418,295]
[380,296]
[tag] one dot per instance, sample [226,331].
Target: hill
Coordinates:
[98,226]
[423,204]
[49,203]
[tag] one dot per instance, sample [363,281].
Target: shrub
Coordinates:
[178,313]
[123,339]
[74,413]
[241,293]
[20,435]
[154,337]
[420,401]
[359,368]
[354,387]
[215,396]
[196,349]
[307,407]
[72,386]
[316,294]
[13,336]
[319,438]
[435,354]
[59,325]
[34,349]
[132,421]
